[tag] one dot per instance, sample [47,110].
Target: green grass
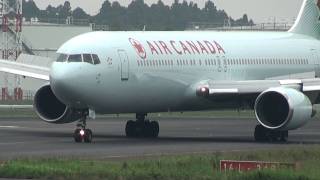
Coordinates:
[167,167]
[15,113]
[14,102]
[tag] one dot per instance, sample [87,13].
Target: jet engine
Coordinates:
[52,110]
[283,109]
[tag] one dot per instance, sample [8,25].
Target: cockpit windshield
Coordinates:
[96,59]
[75,58]
[72,58]
[62,58]
[87,58]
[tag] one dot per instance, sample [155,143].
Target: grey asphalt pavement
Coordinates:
[31,137]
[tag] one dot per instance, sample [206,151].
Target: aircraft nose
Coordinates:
[62,82]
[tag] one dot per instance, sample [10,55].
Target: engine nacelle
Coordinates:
[283,109]
[52,110]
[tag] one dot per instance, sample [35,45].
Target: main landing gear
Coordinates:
[81,134]
[142,127]
[262,134]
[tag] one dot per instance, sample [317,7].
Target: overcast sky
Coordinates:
[258,10]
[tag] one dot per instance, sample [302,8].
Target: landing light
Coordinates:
[203,91]
[82,132]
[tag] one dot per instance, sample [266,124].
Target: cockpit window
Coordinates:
[96,59]
[87,58]
[75,58]
[62,58]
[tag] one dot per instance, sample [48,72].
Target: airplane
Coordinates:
[277,74]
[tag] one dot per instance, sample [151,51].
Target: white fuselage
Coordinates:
[160,71]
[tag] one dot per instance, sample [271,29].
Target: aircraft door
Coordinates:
[219,66]
[124,65]
[226,71]
[225,67]
[316,59]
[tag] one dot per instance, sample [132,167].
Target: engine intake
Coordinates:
[50,109]
[283,109]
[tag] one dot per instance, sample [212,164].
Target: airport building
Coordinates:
[40,40]
[35,38]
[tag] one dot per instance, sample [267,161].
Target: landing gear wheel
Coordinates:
[87,136]
[82,134]
[142,127]
[154,126]
[77,136]
[284,136]
[262,134]
[130,128]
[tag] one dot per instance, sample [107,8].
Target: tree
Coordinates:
[137,14]
[51,12]
[103,16]
[158,16]
[65,10]
[244,21]
[30,9]
[118,18]
[210,12]
[79,13]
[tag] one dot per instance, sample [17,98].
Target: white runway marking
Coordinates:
[9,127]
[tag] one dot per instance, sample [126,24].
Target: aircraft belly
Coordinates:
[141,96]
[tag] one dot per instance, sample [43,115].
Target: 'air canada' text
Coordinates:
[185,47]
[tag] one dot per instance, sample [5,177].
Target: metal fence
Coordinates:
[16,94]
[60,21]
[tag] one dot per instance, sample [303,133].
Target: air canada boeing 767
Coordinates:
[277,74]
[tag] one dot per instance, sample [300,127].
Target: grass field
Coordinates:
[167,167]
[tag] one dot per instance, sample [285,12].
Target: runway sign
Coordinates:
[242,166]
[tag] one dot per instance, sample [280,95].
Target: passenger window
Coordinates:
[96,59]
[62,58]
[87,58]
[75,58]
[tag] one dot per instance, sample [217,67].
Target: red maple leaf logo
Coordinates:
[138,48]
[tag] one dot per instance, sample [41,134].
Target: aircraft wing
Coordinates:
[252,88]
[22,68]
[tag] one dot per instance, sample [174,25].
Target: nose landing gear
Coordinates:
[81,134]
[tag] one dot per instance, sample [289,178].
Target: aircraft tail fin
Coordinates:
[308,20]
